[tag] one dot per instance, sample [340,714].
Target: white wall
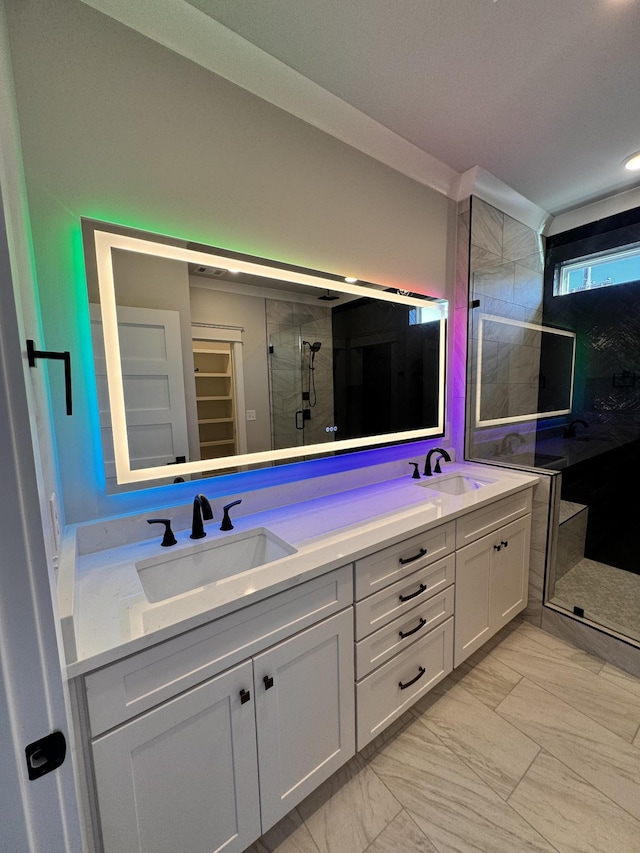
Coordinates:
[116,127]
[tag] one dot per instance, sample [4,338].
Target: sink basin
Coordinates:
[179,571]
[456,484]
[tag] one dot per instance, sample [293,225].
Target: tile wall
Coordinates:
[288,324]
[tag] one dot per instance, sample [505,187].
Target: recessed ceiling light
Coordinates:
[633,163]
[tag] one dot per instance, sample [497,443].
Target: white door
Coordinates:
[153,380]
[36,815]
[184,776]
[304,690]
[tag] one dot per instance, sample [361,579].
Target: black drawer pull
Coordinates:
[420,590]
[245,695]
[504,544]
[421,553]
[497,547]
[268,681]
[404,634]
[413,680]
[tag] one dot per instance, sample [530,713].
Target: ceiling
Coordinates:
[535,101]
[542,94]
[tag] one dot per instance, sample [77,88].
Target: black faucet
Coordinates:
[506,448]
[427,464]
[570,431]
[201,510]
[226,521]
[168,539]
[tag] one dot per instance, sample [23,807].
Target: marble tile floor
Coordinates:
[531,746]
[608,595]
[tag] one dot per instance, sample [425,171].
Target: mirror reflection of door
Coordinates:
[153,378]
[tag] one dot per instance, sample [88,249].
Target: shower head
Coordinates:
[314,347]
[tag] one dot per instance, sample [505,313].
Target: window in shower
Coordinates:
[600,269]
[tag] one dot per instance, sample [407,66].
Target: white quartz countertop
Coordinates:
[108,616]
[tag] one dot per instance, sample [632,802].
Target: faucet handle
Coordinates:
[168,539]
[416,473]
[226,521]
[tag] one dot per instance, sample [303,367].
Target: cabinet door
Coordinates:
[510,572]
[305,713]
[473,611]
[183,776]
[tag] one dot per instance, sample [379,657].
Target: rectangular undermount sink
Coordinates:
[182,570]
[456,484]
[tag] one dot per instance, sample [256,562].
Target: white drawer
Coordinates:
[139,682]
[389,691]
[478,523]
[382,645]
[378,570]
[379,609]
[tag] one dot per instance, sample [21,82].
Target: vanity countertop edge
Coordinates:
[103,608]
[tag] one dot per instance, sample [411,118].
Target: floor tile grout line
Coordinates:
[581,710]
[564,645]
[534,680]
[473,770]
[589,784]
[621,686]
[562,658]
[557,699]
[574,771]
[489,787]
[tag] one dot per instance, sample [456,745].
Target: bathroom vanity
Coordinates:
[208,715]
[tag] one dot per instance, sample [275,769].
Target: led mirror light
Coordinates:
[425,309]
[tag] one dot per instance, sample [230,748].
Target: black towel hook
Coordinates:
[33,354]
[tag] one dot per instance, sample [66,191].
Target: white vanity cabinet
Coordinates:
[183,776]
[205,740]
[492,573]
[404,630]
[216,765]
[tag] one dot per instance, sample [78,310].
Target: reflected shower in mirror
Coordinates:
[524,371]
[210,361]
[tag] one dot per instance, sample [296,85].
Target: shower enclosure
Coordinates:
[300,374]
[553,380]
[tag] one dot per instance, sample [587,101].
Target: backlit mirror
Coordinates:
[209,361]
[524,371]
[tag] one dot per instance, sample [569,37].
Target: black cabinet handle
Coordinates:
[497,547]
[420,590]
[420,553]
[504,544]
[33,354]
[413,680]
[268,682]
[404,634]
[245,695]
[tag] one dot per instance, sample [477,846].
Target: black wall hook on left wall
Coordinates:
[33,354]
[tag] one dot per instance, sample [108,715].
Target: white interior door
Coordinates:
[153,379]
[39,814]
